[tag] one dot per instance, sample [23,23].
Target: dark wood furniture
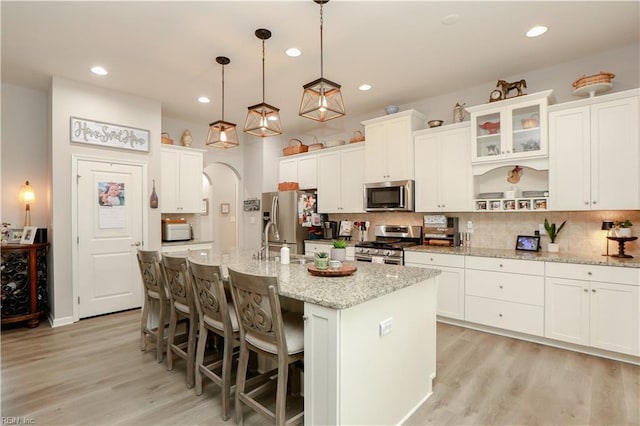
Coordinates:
[621,241]
[24,283]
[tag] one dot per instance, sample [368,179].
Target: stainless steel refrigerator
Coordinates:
[292,214]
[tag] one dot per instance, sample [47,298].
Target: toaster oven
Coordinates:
[176,230]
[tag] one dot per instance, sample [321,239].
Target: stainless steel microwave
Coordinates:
[389,196]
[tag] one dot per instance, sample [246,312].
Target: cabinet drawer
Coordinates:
[527,289]
[431,259]
[507,315]
[609,274]
[530,267]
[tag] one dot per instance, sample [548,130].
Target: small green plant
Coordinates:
[340,244]
[551,229]
[623,224]
[322,254]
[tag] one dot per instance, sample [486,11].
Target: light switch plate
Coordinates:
[386,326]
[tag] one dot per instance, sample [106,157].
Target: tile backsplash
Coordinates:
[581,234]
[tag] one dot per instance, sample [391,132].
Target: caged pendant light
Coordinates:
[263,120]
[222,134]
[322,99]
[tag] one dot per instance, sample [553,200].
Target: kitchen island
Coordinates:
[370,338]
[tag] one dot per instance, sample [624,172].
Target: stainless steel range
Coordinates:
[389,245]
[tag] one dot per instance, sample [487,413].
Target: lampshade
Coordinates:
[27,196]
[263,120]
[222,134]
[607,225]
[322,98]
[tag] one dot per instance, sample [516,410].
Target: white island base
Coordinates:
[353,375]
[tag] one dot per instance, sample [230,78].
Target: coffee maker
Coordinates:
[329,229]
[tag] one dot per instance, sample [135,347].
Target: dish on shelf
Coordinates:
[331,144]
[435,123]
[487,195]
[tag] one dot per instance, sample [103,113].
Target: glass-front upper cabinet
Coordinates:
[510,129]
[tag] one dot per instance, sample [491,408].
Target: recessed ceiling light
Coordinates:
[451,19]
[204,100]
[365,87]
[293,52]
[537,31]
[99,70]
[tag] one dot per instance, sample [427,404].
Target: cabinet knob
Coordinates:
[593,290]
[431,259]
[305,318]
[595,202]
[500,286]
[586,203]
[586,290]
[500,265]
[589,273]
[500,315]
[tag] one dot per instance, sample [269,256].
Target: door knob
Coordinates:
[137,244]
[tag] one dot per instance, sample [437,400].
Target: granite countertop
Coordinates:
[368,282]
[542,256]
[185,243]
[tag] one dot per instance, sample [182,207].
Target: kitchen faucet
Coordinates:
[276,234]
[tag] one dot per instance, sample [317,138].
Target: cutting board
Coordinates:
[343,271]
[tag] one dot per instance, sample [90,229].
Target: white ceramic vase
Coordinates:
[339,254]
[553,247]
[624,232]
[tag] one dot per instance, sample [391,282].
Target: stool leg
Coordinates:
[173,319]
[202,343]
[243,361]
[143,324]
[191,353]
[281,393]
[227,362]
[160,332]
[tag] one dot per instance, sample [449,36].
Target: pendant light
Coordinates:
[322,99]
[222,134]
[263,120]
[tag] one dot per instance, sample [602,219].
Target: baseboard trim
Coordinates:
[59,322]
[544,341]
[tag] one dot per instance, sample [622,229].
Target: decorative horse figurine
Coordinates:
[507,87]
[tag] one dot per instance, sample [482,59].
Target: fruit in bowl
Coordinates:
[435,123]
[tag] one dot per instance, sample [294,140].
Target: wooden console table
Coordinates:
[24,283]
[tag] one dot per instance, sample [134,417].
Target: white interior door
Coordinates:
[110,226]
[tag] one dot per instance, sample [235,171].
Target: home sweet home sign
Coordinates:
[108,135]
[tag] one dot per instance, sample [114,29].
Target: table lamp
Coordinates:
[27,196]
[607,225]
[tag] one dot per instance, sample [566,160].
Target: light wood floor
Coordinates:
[93,372]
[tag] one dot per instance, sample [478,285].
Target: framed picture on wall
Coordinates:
[225,208]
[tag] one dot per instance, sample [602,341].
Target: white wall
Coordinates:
[69,98]
[24,154]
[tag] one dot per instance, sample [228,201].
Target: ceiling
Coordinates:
[166,50]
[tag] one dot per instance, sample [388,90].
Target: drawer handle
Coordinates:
[593,290]
[431,259]
[500,315]
[501,265]
[589,273]
[586,290]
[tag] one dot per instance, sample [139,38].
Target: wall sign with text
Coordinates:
[108,135]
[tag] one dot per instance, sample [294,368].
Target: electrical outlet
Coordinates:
[386,326]
[470,227]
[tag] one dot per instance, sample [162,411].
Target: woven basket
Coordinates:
[165,139]
[295,147]
[315,146]
[288,186]
[357,137]
[602,77]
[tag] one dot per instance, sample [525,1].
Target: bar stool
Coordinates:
[175,273]
[217,315]
[156,300]
[269,332]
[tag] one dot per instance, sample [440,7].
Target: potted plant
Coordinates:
[322,260]
[623,228]
[339,250]
[553,232]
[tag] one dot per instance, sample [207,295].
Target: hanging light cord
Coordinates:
[222,92]
[263,70]
[321,50]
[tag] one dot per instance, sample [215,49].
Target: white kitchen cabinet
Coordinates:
[505,293]
[595,155]
[601,309]
[184,248]
[340,181]
[389,146]
[181,185]
[449,284]
[512,129]
[443,169]
[301,169]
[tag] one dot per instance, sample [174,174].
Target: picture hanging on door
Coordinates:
[108,135]
[225,208]
[111,205]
